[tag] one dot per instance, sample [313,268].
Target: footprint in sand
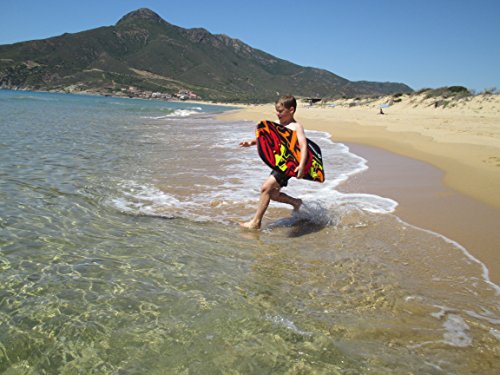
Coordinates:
[493,160]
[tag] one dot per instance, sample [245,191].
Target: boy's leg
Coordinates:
[270,190]
[265,197]
[278,196]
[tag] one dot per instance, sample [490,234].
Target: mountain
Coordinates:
[143,52]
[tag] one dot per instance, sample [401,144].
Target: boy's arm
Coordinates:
[249,143]
[301,137]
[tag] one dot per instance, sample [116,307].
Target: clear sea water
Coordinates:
[120,253]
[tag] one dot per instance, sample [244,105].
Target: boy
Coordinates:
[270,190]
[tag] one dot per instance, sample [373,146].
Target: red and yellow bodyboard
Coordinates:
[279,148]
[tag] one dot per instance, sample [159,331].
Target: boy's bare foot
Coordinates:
[250,225]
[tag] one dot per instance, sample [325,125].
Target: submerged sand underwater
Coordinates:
[120,252]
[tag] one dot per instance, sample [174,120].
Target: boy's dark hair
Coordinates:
[287,101]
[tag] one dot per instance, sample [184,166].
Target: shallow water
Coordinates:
[119,254]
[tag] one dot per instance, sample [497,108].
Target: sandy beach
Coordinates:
[439,158]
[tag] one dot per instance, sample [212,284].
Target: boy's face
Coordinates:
[285,115]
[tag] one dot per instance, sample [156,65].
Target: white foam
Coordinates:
[443,310]
[487,315]
[240,180]
[288,324]
[485,272]
[377,204]
[176,113]
[495,333]
[142,199]
[243,173]
[240,173]
[340,164]
[182,113]
[456,331]
[434,366]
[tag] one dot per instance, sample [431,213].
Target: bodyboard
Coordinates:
[279,148]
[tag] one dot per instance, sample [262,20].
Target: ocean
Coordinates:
[121,253]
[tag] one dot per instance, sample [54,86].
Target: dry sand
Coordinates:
[461,139]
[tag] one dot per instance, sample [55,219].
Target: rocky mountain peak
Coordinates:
[141,14]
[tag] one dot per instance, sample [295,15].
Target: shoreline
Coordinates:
[424,201]
[435,188]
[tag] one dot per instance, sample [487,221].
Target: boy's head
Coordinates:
[287,101]
[285,109]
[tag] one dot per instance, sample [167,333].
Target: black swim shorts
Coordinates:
[280,177]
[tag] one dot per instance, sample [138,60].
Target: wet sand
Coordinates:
[439,164]
[426,202]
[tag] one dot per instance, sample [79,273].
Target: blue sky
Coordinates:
[424,43]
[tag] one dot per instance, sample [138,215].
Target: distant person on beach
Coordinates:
[286,107]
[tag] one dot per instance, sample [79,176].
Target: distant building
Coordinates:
[186,95]
[311,101]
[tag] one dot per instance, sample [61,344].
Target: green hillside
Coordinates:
[142,52]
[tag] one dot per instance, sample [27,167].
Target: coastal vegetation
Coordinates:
[442,97]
